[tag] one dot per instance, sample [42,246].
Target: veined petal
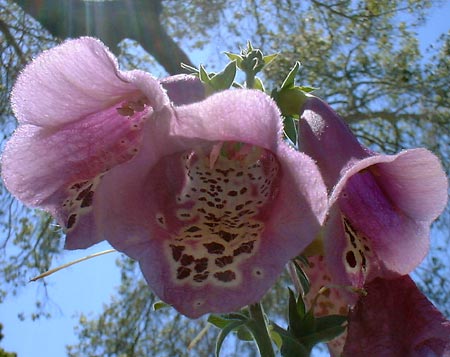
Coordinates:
[325,137]
[218,207]
[74,80]
[79,116]
[247,116]
[390,201]
[396,319]
[381,206]
[183,89]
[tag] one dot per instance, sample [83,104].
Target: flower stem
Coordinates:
[249,79]
[260,332]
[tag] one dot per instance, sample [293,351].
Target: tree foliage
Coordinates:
[362,55]
[3,353]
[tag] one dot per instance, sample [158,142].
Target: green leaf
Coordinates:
[218,321]
[290,128]
[323,329]
[203,75]
[290,346]
[224,333]
[159,305]
[295,315]
[293,348]
[306,89]
[259,84]
[322,336]
[269,58]
[224,80]
[234,57]
[191,69]
[244,334]
[289,81]
[221,321]
[276,337]
[325,322]
[304,280]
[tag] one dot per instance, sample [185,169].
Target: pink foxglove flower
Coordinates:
[205,194]
[381,206]
[396,319]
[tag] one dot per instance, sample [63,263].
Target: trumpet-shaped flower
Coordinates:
[381,206]
[204,193]
[396,319]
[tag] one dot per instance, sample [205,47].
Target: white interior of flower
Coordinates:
[227,185]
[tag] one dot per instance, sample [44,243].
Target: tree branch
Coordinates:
[111,21]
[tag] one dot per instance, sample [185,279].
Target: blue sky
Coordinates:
[83,288]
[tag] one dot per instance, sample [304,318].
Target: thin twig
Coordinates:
[51,271]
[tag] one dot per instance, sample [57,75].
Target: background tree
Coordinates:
[3,353]
[362,55]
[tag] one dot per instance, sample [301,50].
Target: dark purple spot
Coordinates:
[201,264]
[214,248]
[227,236]
[232,193]
[246,247]
[87,200]
[71,221]
[83,193]
[78,185]
[243,190]
[192,229]
[186,259]
[201,277]
[239,207]
[222,261]
[351,259]
[177,250]
[183,272]
[363,262]
[225,276]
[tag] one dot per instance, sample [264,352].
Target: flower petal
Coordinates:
[391,200]
[396,319]
[76,79]
[184,89]
[207,203]
[325,137]
[248,116]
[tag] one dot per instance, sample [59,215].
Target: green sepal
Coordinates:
[235,57]
[159,305]
[203,75]
[304,280]
[223,80]
[326,328]
[290,346]
[289,81]
[296,313]
[269,58]
[220,321]
[244,334]
[290,128]
[224,333]
[258,84]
